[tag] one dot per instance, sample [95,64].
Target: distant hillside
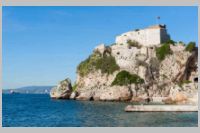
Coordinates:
[30,90]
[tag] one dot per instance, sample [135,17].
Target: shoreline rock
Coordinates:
[62,91]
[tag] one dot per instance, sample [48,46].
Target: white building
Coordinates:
[150,36]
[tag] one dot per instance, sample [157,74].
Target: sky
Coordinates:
[44,45]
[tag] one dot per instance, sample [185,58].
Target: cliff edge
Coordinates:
[166,72]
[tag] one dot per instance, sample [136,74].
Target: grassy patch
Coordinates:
[87,65]
[105,63]
[125,78]
[190,47]
[170,42]
[181,42]
[133,44]
[74,87]
[180,84]
[163,51]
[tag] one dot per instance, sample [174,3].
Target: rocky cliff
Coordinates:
[62,91]
[131,72]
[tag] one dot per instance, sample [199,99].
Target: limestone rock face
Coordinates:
[116,93]
[62,91]
[188,93]
[101,48]
[164,80]
[73,95]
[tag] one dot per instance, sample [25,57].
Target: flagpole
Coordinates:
[158,17]
[157,21]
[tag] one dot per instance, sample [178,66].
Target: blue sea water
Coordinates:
[38,110]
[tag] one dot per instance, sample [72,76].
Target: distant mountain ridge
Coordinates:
[30,90]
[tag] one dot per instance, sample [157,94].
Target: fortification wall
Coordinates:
[164,36]
[146,37]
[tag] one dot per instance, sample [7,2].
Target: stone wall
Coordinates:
[146,37]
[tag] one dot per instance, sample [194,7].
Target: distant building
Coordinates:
[150,36]
[11,92]
[46,91]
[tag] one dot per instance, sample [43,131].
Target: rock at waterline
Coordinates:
[73,95]
[62,91]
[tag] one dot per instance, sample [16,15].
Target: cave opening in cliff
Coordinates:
[91,99]
[196,79]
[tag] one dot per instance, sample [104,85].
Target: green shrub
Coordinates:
[86,66]
[181,42]
[105,63]
[180,84]
[163,51]
[190,47]
[125,78]
[170,42]
[133,44]
[74,87]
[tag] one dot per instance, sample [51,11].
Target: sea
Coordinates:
[39,110]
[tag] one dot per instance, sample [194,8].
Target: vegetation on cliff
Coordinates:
[190,47]
[74,87]
[170,42]
[125,78]
[132,43]
[97,61]
[163,51]
[181,83]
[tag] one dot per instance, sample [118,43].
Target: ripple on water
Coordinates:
[23,110]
